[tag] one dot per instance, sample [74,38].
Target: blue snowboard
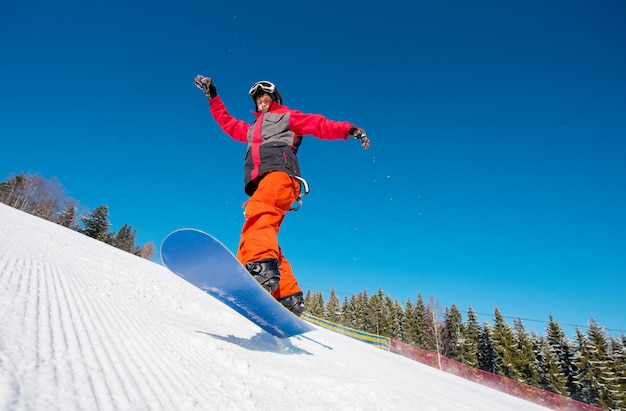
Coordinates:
[206,263]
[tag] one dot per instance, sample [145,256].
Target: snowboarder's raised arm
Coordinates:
[237,129]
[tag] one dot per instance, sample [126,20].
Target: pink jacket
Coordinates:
[273,139]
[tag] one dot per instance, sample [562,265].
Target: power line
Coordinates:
[546,322]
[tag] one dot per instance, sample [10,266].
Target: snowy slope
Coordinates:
[86,326]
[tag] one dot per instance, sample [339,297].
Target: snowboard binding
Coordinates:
[266,273]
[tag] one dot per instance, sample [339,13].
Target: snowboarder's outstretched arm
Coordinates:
[320,127]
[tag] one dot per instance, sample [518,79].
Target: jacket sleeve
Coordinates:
[318,126]
[237,129]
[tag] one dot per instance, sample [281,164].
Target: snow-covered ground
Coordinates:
[86,326]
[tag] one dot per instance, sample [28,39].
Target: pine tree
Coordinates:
[308,297]
[504,345]
[617,358]
[67,218]
[453,338]
[471,335]
[333,309]
[96,225]
[315,304]
[551,378]
[604,382]
[376,318]
[396,318]
[526,367]
[419,318]
[409,326]
[563,351]
[583,378]
[487,355]
[125,239]
[361,304]
[348,312]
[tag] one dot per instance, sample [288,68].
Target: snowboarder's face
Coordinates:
[263,103]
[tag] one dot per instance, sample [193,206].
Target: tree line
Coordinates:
[46,198]
[590,368]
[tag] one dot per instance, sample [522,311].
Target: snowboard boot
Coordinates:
[294,302]
[266,272]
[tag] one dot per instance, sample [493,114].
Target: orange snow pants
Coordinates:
[265,211]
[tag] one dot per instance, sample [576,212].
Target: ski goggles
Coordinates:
[266,86]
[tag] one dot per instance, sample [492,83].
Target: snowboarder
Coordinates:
[272,178]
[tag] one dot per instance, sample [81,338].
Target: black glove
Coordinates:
[206,85]
[360,135]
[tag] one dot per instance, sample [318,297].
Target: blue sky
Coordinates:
[498,129]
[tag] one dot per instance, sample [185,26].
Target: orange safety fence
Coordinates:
[498,382]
